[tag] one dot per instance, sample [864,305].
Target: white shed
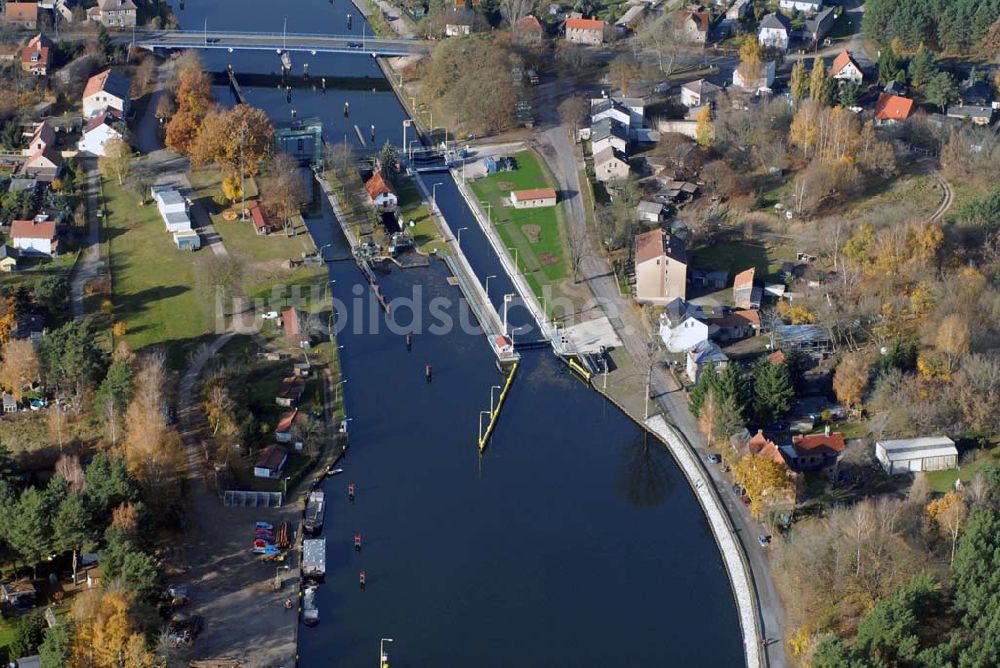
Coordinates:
[173,208]
[911,455]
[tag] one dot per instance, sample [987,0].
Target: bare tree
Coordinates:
[515,10]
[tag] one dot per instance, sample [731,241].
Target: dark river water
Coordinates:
[574,541]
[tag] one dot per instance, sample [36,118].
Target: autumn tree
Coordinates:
[762,478]
[624,70]
[281,188]
[953,337]
[152,447]
[194,99]
[799,81]
[107,634]
[851,378]
[751,65]
[949,512]
[231,138]
[116,161]
[703,129]
[573,112]
[19,367]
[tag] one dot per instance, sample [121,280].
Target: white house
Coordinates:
[738,10]
[775,32]
[106,90]
[585,31]
[534,198]
[173,208]
[910,455]
[99,131]
[845,68]
[610,164]
[383,196]
[680,330]
[701,356]
[35,237]
[604,107]
[763,81]
[801,5]
[698,93]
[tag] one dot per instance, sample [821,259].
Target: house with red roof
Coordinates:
[100,130]
[294,324]
[35,237]
[528,30]
[845,68]
[43,137]
[36,57]
[586,31]
[22,14]
[270,462]
[106,90]
[283,432]
[817,451]
[761,446]
[660,267]
[693,25]
[891,109]
[263,224]
[44,164]
[747,295]
[382,194]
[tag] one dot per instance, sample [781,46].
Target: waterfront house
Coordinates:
[36,57]
[910,455]
[99,130]
[8,258]
[106,90]
[585,31]
[21,14]
[290,392]
[699,93]
[660,267]
[845,68]
[693,25]
[114,13]
[270,462]
[294,322]
[36,236]
[610,164]
[680,327]
[283,432]
[262,223]
[701,356]
[891,109]
[382,195]
[534,198]
[775,32]
[746,295]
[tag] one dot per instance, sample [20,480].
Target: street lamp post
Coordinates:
[412,142]
[488,284]
[481,414]
[507,298]
[493,387]
[460,230]
[489,210]
[406,123]
[383,658]
[517,267]
[434,199]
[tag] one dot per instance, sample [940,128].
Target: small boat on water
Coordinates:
[310,610]
[330,471]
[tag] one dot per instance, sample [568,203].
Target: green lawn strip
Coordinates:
[426,234]
[944,481]
[154,291]
[734,258]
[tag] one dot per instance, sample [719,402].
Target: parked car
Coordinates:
[715,459]
[270,315]
[764,539]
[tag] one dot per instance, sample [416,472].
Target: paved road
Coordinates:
[561,156]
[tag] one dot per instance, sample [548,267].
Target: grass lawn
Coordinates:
[426,234]
[736,257]
[917,194]
[153,283]
[6,635]
[944,481]
[535,233]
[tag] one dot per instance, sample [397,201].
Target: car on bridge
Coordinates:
[355,45]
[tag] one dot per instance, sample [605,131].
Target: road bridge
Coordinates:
[281,42]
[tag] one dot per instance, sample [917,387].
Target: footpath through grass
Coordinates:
[535,233]
[153,284]
[426,234]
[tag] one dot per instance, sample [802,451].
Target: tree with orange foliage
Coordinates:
[19,367]
[851,378]
[949,512]
[107,635]
[194,100]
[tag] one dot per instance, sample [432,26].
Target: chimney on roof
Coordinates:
[827,430]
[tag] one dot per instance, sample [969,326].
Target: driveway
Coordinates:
[90,264]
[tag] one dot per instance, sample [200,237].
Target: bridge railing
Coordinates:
[268,35]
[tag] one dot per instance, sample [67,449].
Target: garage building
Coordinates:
[911,455]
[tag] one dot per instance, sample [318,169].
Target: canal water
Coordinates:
[574,541]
